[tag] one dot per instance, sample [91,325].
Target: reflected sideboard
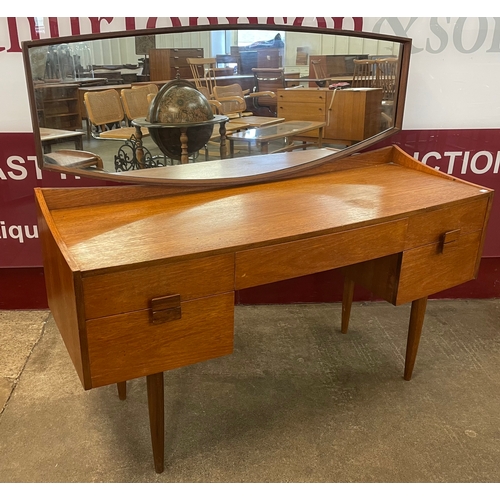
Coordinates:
[141,279]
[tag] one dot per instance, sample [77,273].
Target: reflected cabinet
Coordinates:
[350,115]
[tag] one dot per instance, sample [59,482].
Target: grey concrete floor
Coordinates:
[296,402]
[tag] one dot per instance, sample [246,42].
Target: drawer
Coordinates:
[297,111]
[184,71]
[301,97]
[187,52]
[312,255]
[430,227]
[431,268]
[132,290]
[126,346]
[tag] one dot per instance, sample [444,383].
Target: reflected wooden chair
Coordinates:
[386,80]
[365,73]
[268,80]
[106,115]
[318,68]
[204,70]
[386,77]
[320,73]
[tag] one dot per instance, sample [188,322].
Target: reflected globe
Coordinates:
[177,105]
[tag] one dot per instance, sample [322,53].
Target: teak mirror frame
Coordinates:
[196,174]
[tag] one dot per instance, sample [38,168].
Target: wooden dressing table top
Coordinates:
[199,224]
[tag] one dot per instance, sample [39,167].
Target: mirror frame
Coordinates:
[178,180]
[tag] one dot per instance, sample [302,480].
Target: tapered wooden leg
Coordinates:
[157,418]
[414,331]
[122,390]
[347,303]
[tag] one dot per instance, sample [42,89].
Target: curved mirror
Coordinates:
[269,91]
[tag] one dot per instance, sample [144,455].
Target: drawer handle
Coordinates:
[163,309]
[449,239]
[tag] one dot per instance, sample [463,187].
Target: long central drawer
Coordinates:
[312,255]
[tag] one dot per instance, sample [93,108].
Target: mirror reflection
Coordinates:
[267,91]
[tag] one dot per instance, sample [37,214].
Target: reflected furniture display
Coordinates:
[166,64]
[58,106]
[350,115]
[170,302]
[106,116]
[258,58]
[50,136]
[268,79]
[332,67]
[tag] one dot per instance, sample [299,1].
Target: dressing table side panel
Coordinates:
[63,292]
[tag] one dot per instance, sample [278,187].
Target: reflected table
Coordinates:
[286,130]
[49,136]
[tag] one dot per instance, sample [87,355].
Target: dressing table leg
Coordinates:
[156,418]
[347,303]
[414,331]
[122,390]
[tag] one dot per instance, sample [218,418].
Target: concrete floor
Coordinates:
[296,402]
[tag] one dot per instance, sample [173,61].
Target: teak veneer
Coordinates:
[141,279]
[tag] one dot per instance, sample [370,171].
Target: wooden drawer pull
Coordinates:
[449,239]
[163,309]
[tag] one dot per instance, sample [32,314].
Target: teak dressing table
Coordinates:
[141,279]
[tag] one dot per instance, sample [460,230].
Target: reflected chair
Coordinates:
[233,100]
[106,115]
[319,72]
[204,70]
[153,88]
[268,80]
[365,73]
[135,102]
[386,77]
[386,80]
